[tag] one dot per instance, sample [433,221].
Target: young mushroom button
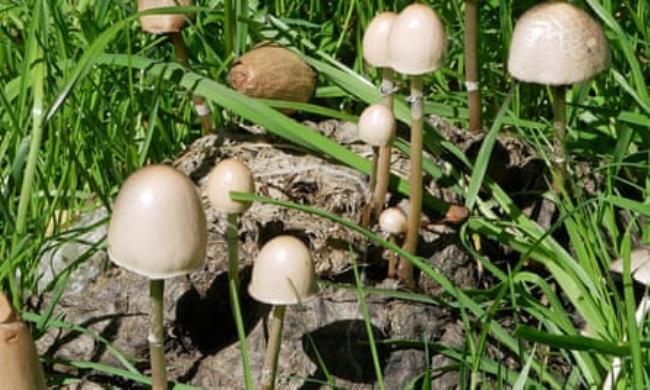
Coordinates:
[163,23]
[228,176]
[393,221]
[377,125]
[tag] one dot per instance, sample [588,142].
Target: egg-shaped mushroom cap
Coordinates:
[557,43]
[376,125]
[283,273]
[162,23]
[375,40]
[417,42]
[230,175]
[158,226]
[392,221]
[639,265]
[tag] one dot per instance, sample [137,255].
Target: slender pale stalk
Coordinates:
[471,64]
[559,125]
[270,368]
[156,335]
[413,221]
[392,259]
[383,163]
[200,106]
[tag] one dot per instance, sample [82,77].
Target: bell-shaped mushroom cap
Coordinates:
[376,125]
[228,176]
[162,23]
[639,265]
[417,42]
[158,226]
[557,43]
[375,40]
[392,221]
[283,273]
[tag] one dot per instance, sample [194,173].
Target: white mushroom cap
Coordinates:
[163,23]
[639,265]
[393,221]
[158,226]
[557,43]
[417,42]
[283,273]
[376,125]
[228,176]
[375,40]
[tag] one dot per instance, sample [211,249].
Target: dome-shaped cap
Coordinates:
[392,221]
[375,40]
[158,226]
[228,176]
[376,125]
[417,42]
[163,23]
[557,43]
[639,265]
[283,273]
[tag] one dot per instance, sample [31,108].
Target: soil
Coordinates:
[201,343]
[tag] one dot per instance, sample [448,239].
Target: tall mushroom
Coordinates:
[375,52]
[172,24]
[393,222]
[417,45]
[283,274]
[19,365]
[557,44]
[157,230]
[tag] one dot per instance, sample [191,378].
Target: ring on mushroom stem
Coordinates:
[157,230]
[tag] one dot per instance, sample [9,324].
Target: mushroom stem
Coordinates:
[383,162]
[156,336]
[267,381]
[392,259]
[559,125]
[202,109]
[367,217]
[413,222]
[471,64]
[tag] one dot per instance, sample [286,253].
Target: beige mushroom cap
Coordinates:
[283,273]
[393,221]
[417,42]
[557,43]
[158,226]
[376,125]
[228,176]
[639,265]
[163,23]
[375,40]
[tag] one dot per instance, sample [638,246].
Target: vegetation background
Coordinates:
[86,98]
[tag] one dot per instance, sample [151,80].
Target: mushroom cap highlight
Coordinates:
[283,273]
[162,23]
[557,43]
[393,221]
[376,125]
[375,40]
[229,175]
[158,227]
[417,43]
[639,265]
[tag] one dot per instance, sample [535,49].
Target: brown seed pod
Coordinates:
[163,23]
[272,72]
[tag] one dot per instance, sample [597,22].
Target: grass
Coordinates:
[86,98]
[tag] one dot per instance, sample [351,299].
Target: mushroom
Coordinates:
[393,222]
[157,230]
[283,274]
[471,65]
[415,57]
[376,125]
[172,24]
[557,44]
[640,269]
[375,52]
[20,368]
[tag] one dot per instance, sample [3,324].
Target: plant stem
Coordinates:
[233,248]
[471,64]
[156,335]
[413,221]
[273,349]
[559,125]
[383,164]
[202,109]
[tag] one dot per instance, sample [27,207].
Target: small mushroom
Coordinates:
[20,368]
[417,44]
[162,23]
[283,274]
[377,125]
[393,222]
[157,230]
[557,44]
